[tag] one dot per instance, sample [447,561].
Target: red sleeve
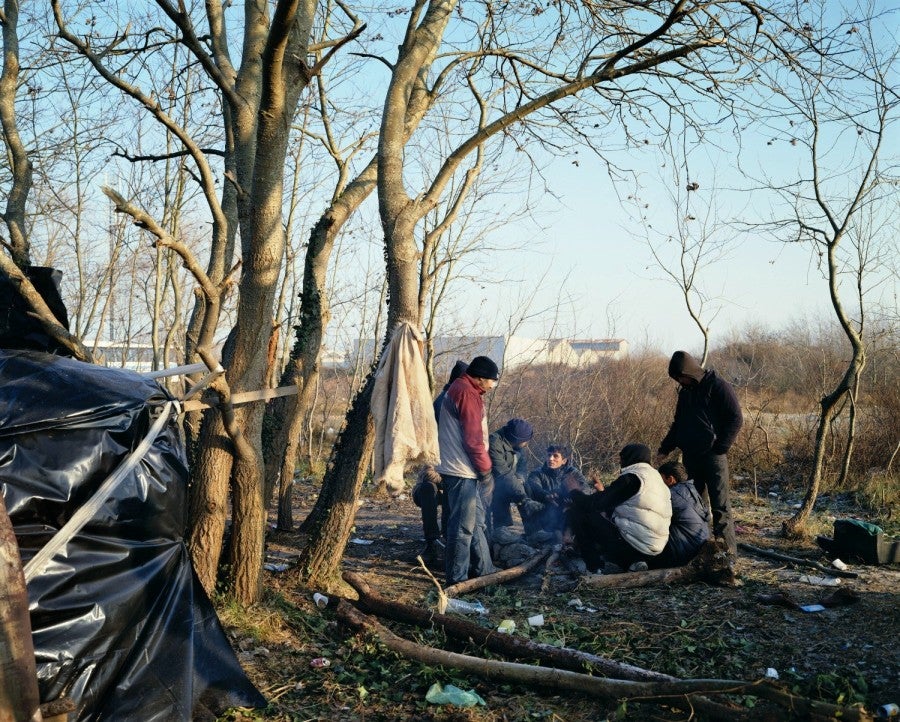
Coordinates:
[470,407]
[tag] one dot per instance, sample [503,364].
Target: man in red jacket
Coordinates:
[465,469]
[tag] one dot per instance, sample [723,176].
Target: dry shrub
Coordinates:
[596,409]
[880,492]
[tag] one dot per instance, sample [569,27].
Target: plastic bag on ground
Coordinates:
[449,694]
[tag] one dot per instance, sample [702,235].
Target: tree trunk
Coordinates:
[331,519]
[16,155]
[19,700]
[209,498]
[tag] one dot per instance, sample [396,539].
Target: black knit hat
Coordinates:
[482,367]
[634,453]
[518,431]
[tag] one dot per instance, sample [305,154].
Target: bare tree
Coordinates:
[592,56]
[838,124]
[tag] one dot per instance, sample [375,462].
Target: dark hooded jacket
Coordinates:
[707,414]
[689,527]
[508,464]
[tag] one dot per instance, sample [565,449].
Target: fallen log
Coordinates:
[772,554]
[518,647]
[671,692]
[712,564]
[504,575]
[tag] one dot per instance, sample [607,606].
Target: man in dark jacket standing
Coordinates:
[465,470]
[707,420]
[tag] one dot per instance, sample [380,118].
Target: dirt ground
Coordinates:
[841,655]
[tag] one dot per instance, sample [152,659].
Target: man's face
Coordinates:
[555,460]
[484,384]
[668,480]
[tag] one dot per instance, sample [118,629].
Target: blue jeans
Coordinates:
[467,547]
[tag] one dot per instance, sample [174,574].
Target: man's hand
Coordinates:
[431,476]
[530,507]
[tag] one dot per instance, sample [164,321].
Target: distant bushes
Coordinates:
[779,379]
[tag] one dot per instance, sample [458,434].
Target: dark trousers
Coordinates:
[507,490]
[597,538]
[710,472]
[428,497]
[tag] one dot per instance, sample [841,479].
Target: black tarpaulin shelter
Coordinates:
[94,474]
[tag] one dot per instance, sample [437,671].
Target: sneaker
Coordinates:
[505,535]
[638,567]
[433,550]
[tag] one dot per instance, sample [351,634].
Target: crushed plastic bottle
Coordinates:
[461,606]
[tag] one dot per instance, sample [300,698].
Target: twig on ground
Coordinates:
[442,595]
[497,577]
[548,571]
[771,554]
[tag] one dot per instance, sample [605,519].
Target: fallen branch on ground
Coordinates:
[657,690]
[772,554]
[504,575]
[521,648]
[712,564]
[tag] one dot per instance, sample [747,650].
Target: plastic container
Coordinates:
[888,711]
[536,621]
[461,606]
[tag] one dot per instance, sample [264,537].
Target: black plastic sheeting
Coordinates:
[121,625]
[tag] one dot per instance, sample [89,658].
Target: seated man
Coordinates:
[689,528]
[626,524]
[508,465]
[428,495]
[550,489]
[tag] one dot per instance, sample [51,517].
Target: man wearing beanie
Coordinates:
[506,448]
[707,420]
[428,493]
[627,523]
[465,470]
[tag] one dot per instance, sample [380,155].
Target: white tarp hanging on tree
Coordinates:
[405,429]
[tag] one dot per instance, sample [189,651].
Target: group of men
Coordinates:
[648,517]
